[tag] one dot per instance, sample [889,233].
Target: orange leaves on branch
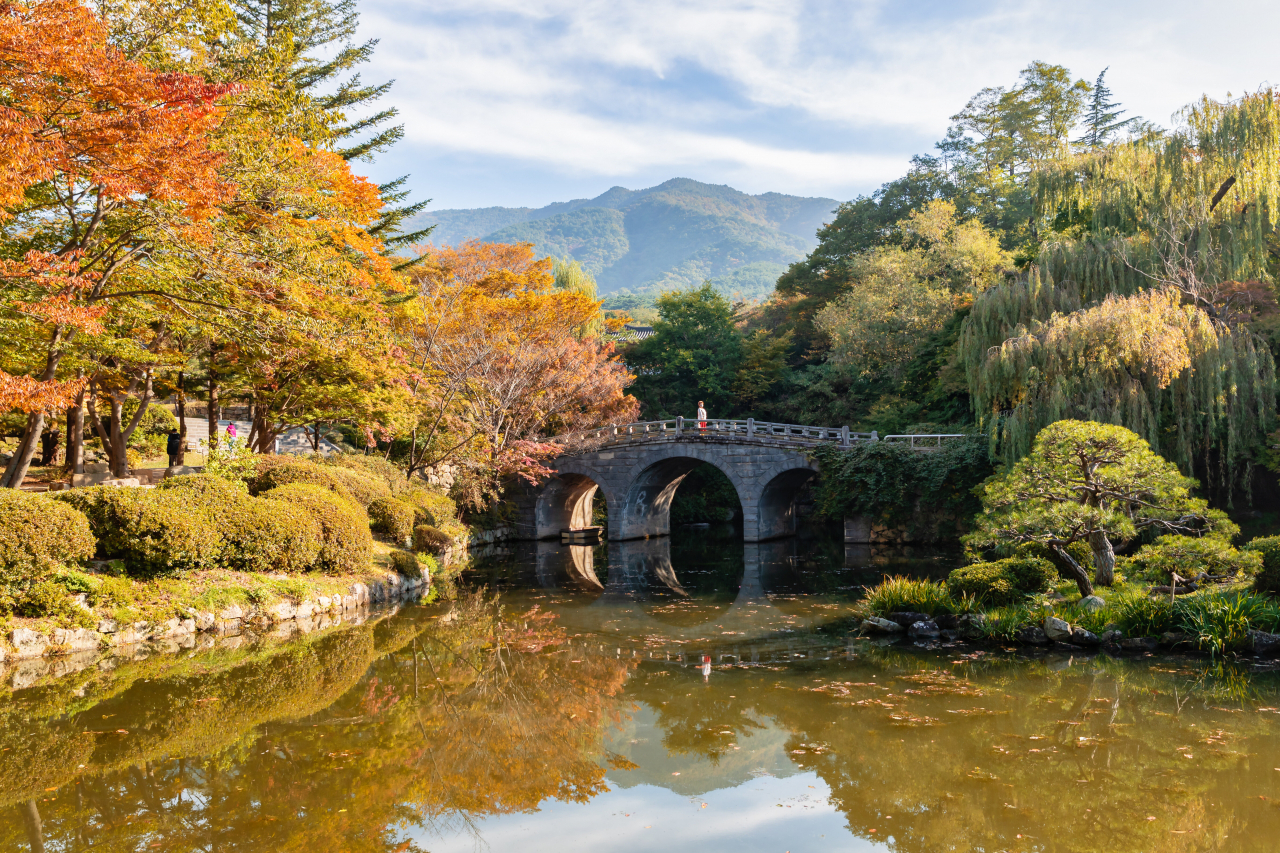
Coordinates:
[25,394]
[75,109]
[49,288]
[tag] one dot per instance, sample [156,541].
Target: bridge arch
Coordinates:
[652,484]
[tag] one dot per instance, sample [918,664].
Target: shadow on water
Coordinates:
[653,677]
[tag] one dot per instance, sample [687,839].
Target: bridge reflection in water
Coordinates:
[641,607]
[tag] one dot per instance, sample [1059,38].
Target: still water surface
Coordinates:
[684,694]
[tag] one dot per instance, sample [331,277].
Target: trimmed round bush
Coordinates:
[257,535]
[406,564]
[373,466]
[393,519]
[363,488]
[1268,548]
[346,545]
[986,582]
[429,540]
[37,535]
[274,471]
[1004,581]
[154,531]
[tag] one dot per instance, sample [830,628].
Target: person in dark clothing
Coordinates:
[174,447]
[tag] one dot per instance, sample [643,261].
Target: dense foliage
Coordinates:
[894,484]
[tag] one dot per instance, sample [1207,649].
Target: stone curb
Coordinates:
[284,617]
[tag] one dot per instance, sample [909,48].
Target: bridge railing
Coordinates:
[749,428]
[922,441]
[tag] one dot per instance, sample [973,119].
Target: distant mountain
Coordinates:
[674,235]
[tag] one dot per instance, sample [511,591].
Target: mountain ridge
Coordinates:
[676,234]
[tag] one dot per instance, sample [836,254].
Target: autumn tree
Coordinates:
[498,363]
[96,148]
[1087,482]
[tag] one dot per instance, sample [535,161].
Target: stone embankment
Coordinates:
[203,628]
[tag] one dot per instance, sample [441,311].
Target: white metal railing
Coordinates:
[934,440]
[749,428]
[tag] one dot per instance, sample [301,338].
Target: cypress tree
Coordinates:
[1102,118]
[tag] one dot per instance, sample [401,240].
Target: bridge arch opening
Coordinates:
[566,502]
[777,503]
[647,511]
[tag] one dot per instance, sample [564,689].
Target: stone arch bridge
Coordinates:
[636,469]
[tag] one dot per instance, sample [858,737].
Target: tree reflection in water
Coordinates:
[341,742]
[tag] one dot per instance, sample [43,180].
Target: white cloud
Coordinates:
[804,95]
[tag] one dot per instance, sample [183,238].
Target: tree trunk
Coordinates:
[182,418]
[1078,574]
[119,453]
[35,831]
[16,471]
[214,407]
[49,441]
[1104,559]
[75,436]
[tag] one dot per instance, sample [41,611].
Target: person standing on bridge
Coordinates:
[702,416]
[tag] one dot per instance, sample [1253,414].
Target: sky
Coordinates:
[525,102]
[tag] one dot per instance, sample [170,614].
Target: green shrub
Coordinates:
[47,598]
[429,540]
[373,466]
[274,471]
[156,420]
[257,535]
[409,565]
[899,594]
[986,582]
[154,531]
[1268,548]
[363,488]
[344,532]
[393,518]
[1189,556]
[37,535]
[436,509]
[1005,581]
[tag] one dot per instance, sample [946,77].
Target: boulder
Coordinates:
[28,643]
[1111,638]
[1057,630]
[1090,603]
[282,611]
[947,621]
[1139,644]
[108,626]
[1174,638]
[1081,637]
[306,610]
[926,629]
[906,618]
[1032,635]
[325,602]
[205,621]
[1264,644]
[232,611]
[871,625]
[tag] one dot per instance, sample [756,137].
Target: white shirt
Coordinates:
[702,414]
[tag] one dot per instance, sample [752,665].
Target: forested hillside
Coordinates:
[1053,258]
[674,235]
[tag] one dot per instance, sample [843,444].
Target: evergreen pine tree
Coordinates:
[296,34]
[1101,116]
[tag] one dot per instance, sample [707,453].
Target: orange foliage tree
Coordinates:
[498,364]
[92,147]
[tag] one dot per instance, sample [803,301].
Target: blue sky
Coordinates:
[525,102]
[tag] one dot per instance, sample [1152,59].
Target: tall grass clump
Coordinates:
[1002,623]
[917,595]
[1220,622]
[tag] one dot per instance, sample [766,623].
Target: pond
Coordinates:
[691,693]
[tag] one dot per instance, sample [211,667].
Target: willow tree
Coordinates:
[1188,214]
